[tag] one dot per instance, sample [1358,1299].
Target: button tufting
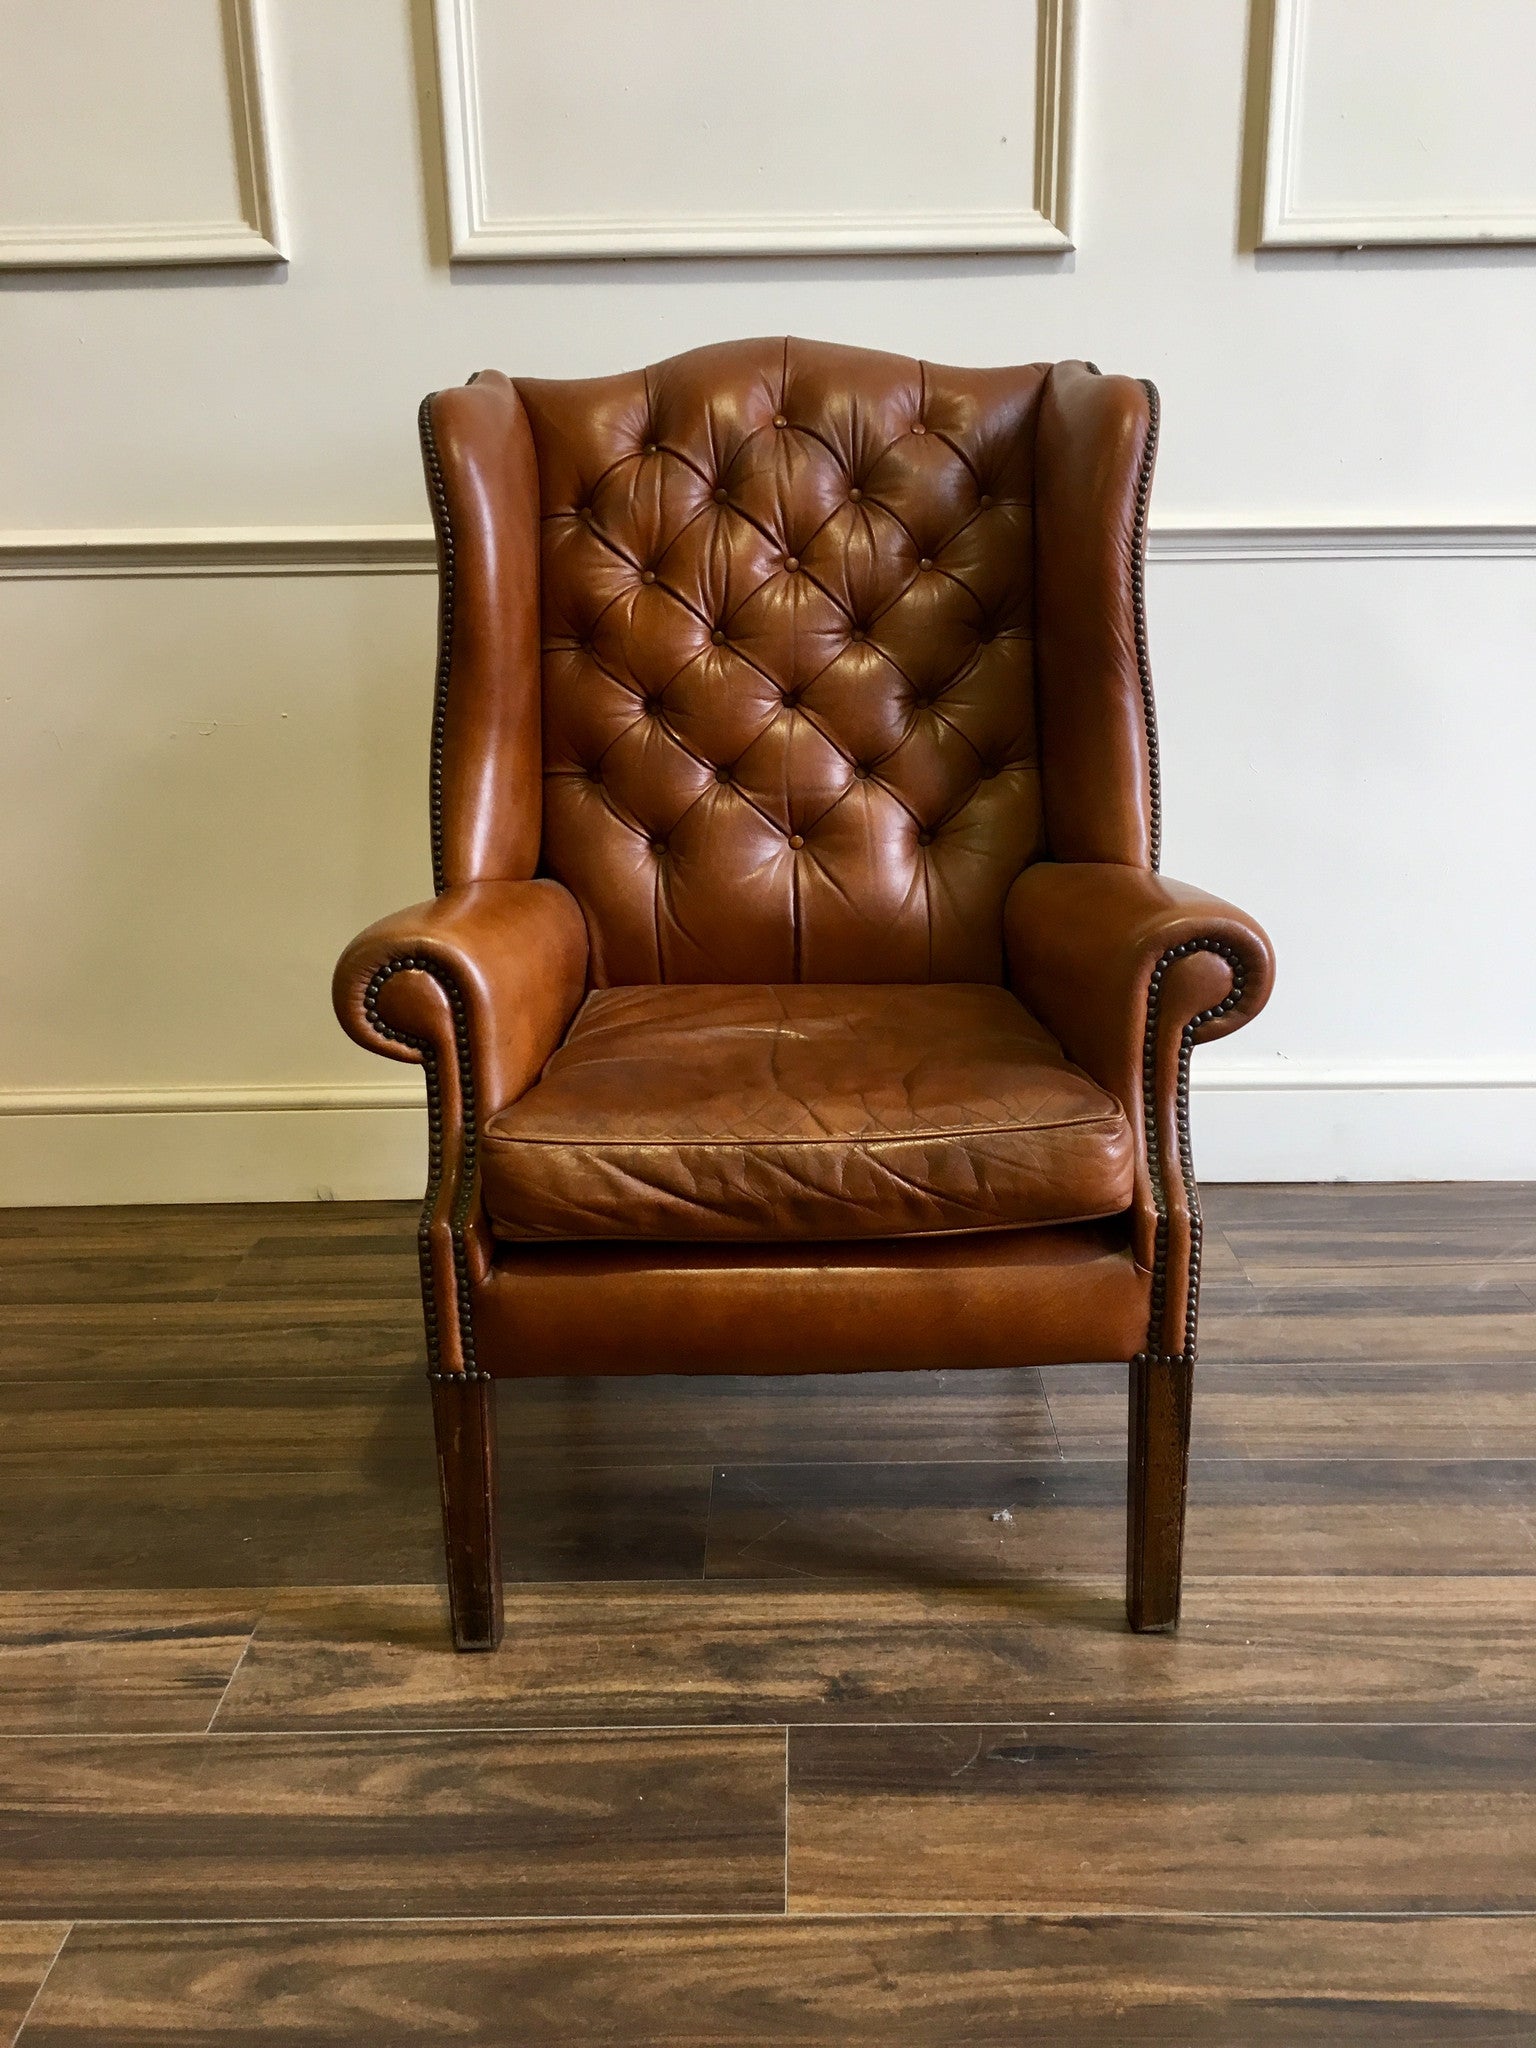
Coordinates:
[926,562]
[658,844]
[791,697]
[796,841]
[985,501]
[650,447]
[722,775]
[918,427]
[779,420]
[925,838]
[860,772]
[855,496]
[857,633]
[717,637]
[791,564]
[722,495]
[647,575]
[595,772]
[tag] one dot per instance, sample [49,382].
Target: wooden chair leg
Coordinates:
[464,1415]
[1156,1485]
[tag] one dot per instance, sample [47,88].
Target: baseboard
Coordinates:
[367,1141]
[205,1154]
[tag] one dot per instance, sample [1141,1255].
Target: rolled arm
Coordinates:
[478,987]
[511,961]
[1129,971]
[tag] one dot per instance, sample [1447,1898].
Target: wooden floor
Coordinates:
[817,1720]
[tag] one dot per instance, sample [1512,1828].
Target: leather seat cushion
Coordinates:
[804,1111]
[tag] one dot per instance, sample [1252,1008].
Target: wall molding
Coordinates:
[408,1093]
[256,236]
[478,236]
[38,554]
[1282,223]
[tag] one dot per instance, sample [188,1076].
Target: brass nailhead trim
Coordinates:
[465,1192]
[1157,1165]
[438,493]
[1139,611]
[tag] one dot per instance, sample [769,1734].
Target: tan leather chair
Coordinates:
[800,993]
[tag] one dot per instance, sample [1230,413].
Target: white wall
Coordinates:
[213,729]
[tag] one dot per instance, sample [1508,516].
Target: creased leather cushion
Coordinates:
[789,673]
[803,1111]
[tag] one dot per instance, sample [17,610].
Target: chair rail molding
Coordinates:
[480,232]
[36,554]
[253,235]
[1286,223]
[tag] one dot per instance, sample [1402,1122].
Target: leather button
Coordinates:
[985,501]
[926,562]
[860,773]
[722,775]
[653,707]
[791,698]
[791,564]
[925,838]
[796,841]
[717,638]
[658,846]
[918,427]
[779,420]
[647,575]
[722,495]
[855,496]
[650,447]
[594,773]
[857,633]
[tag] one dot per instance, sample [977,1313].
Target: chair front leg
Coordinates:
[1193,987]
[1157,1484]
[464,1416]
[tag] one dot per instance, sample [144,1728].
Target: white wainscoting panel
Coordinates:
[708,127]
[134,131]
[213,772]
[1400,121]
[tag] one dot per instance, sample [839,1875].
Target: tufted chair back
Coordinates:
[795,603]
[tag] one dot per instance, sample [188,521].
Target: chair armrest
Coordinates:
[1129,971]
[478,987]
[508,961]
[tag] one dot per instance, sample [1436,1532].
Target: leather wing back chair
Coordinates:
[800,992]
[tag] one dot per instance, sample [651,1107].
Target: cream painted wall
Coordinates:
[211,779]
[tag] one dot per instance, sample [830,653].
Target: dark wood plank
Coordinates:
[224,1826]
[1347,1408]
[199,1338]
[114,1663]
[28,1950]
[353,1525]
[1370,1224]
[862,1418]
[138,1423]
[979,1523]
[1313,1319]
[865,1983]
[1334,1649]
[1169,1818]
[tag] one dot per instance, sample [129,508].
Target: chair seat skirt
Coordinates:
[800,1112]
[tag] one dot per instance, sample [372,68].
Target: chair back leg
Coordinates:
[464,1416]
[1156,1485]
